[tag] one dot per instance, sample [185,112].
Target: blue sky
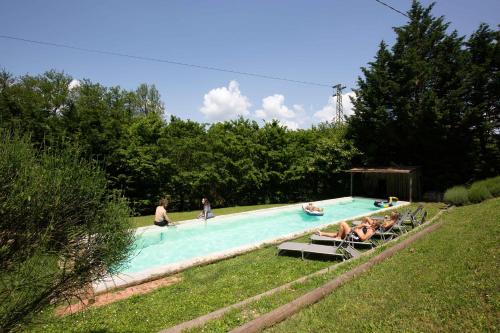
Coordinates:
[319,41]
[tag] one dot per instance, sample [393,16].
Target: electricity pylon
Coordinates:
[339,110]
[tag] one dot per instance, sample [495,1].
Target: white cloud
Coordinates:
[291,124]
[74,84]
[225,103]
[273,107]
[327,113]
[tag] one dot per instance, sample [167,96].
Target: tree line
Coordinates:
[147,156]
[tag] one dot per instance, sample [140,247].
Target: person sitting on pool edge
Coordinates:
[310,207]
[161,217]
[206,213]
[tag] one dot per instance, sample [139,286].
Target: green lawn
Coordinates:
[141,221]
[202,290]
[446,282]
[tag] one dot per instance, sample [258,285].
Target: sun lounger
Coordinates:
[412,219]
[422,219]
[411,216]
[307,249]
[395,229]
[325,239]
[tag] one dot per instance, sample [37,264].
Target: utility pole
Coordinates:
[339,110]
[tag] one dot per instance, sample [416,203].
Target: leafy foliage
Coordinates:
[60,228]
[148,157]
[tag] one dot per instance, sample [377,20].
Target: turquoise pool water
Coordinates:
[174,245]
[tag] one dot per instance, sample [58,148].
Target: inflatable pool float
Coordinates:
[312,212]
[386,204]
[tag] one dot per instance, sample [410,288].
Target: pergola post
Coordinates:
[411,183]
[351,183]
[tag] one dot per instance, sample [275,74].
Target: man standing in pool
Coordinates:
[161,217]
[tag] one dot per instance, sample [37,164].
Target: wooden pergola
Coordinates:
[412,173]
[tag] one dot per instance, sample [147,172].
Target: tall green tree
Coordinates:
[414,107]
[149,100]
[235,157]
[483,98]
[374,110]
[34,104]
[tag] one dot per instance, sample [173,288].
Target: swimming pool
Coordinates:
[161,250]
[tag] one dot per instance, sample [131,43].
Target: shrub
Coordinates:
[60,228]
[456,195]
[478,192]
[493,185]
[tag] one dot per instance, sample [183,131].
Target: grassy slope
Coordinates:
[203,289]
[447,281]
[141,221]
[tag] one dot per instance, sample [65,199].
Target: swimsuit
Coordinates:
[161,223]
[355,236]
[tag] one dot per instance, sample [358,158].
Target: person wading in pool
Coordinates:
[161,217]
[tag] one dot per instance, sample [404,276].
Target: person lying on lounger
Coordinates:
[365,230]
[384,224]
[362,232]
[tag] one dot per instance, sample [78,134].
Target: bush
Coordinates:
[60,228]
[478,192]
[456,195]
[493,185]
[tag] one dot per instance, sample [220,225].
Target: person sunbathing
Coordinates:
[365,230]
[362,232]
[384,224]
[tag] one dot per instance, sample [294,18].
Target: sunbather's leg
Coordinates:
[327,234]
[344,229]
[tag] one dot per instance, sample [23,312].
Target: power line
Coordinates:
[136,57]
[394,9]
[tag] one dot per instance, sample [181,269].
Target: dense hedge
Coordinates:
[493,185]
[457,195]
[475,193]
[478,193]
